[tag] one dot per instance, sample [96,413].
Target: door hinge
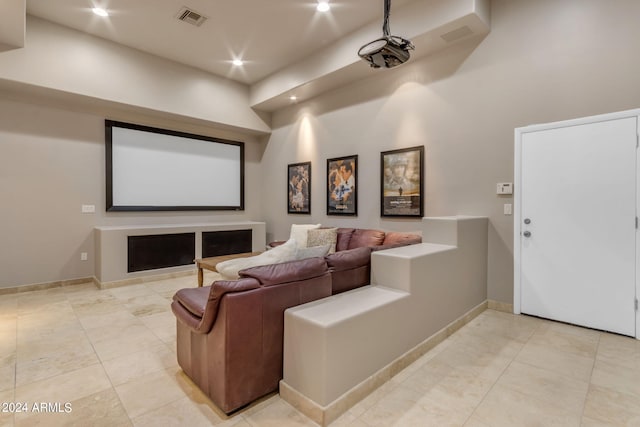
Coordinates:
[636,223]
[636,304]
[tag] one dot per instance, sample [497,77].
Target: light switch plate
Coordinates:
[504,188]
[88,208]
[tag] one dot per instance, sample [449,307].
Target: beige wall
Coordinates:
[51,163]
[544,60]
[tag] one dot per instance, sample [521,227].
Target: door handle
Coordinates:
[527,234]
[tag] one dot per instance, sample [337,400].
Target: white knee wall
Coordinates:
[334,344]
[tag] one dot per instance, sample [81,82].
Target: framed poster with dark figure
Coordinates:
[342,190]
[401,182]
[299,188]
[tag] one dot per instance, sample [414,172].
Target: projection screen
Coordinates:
[151,169]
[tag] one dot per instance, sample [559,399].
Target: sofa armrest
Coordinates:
[398,238]
[349,259]
[276,243]
[198,307]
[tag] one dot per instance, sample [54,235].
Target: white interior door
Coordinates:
[578,224]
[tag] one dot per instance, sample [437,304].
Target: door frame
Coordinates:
[517,200]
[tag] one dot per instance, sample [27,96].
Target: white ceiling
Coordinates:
[268,35]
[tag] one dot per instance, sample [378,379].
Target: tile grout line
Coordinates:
[15,364]
[165,344]
[66,300]
[566,353]
[595,357]
[501,374]
[100,359]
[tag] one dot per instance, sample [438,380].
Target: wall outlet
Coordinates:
[84,256]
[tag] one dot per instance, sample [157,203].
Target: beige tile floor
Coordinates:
[110,354]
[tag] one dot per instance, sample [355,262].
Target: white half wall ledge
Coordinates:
[432,25]
[128,113]
[12,24]
[101,74]
[336,347]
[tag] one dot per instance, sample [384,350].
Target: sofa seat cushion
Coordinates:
[275,274]
[364,237]
[194,300]
[349,259]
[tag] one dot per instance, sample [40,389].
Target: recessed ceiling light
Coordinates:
[100,11]
[237,62]
[293,97]
[323,6]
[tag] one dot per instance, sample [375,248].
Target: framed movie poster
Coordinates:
[299,188]
[401,182]
[342,191]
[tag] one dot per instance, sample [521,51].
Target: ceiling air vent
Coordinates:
[457,34]
[190,16]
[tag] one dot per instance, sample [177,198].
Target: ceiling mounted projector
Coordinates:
[389,50]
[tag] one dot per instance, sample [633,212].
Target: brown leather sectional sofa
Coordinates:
[230,334]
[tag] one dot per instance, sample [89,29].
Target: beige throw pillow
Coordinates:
[323,236]
[299,233]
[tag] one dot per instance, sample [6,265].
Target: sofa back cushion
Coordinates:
[294,271]
[365,237]
[349,259]
[343,238]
